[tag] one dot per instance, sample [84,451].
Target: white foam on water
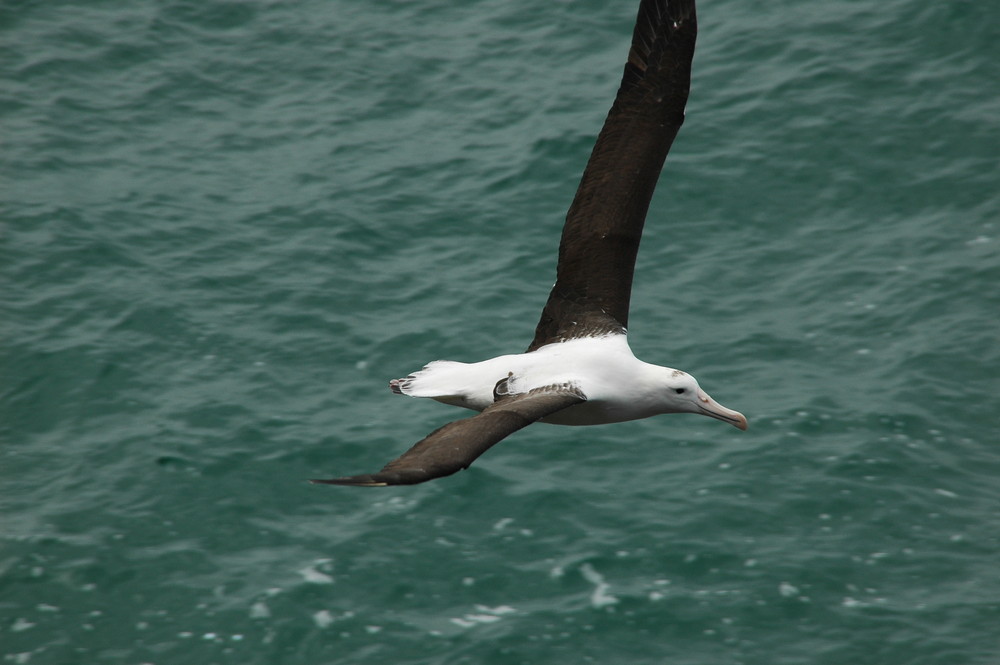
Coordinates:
[323,618]
[313,576]
[788,590]
[600,598]
[502,523]
[260,610]
[483,614]
[21,625]
[482,618]
[499,610]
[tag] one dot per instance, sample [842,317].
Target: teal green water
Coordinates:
[226,225]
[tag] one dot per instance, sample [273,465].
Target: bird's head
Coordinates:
[682,394]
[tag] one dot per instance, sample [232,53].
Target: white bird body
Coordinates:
[617,385]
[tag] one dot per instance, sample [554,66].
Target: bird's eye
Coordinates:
[679,391]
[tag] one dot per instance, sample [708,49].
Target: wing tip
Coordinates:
[366,480]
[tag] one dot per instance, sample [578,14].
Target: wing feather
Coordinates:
[456,445]
[603,227]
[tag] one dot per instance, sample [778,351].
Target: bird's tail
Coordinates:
[446,381]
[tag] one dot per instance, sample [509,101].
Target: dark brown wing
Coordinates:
[604,224]
[456,445]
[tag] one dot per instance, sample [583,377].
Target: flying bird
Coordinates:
[578,369]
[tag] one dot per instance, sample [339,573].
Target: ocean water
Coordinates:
[225,226]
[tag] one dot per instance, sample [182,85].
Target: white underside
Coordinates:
[618,386]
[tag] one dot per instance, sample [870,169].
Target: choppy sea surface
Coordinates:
[225,226]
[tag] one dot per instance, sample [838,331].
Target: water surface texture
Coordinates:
[226,225]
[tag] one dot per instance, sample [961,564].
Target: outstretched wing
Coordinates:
[604,224]
[456,445]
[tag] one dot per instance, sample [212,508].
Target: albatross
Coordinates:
[579,369]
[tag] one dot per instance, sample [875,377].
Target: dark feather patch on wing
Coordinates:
[603,227]
[456,445]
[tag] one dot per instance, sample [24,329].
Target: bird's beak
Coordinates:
[713,409]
